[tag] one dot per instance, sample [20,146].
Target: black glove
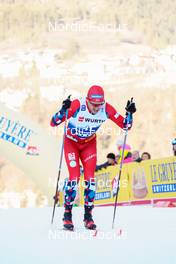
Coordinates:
[130,107]
[66,104]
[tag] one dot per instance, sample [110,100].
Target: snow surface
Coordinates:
[147,236]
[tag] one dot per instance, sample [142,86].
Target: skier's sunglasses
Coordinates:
[96,105]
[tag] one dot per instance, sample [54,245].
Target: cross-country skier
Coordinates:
[85,115]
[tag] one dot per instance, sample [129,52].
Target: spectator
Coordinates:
[174,146]
[127,154]
[136,156]
[145,156]
[117,158]
[111,160]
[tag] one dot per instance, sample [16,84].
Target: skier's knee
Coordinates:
[70,192]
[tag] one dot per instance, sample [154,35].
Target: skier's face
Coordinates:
[94,108]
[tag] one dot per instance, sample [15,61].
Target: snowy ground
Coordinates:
[147,236]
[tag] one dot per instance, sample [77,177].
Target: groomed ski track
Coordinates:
[141,235]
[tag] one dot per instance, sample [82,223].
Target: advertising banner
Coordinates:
[30,148]
[153,179]
[141,183]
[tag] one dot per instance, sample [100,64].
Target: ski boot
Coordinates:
[67,219]
[88,220]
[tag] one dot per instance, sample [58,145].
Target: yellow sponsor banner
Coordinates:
[106,183]
[152,179]
[140,182]
[162,176]
[81,191]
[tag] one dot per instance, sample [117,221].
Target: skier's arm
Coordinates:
[59,117]
[114,115]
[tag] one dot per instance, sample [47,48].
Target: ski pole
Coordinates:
[120,172]
[128,122]
[60,164]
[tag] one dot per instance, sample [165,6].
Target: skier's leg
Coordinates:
[72,159]
[89,195]
[88,158]
[70,194]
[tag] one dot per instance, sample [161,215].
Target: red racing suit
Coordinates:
[80,141]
